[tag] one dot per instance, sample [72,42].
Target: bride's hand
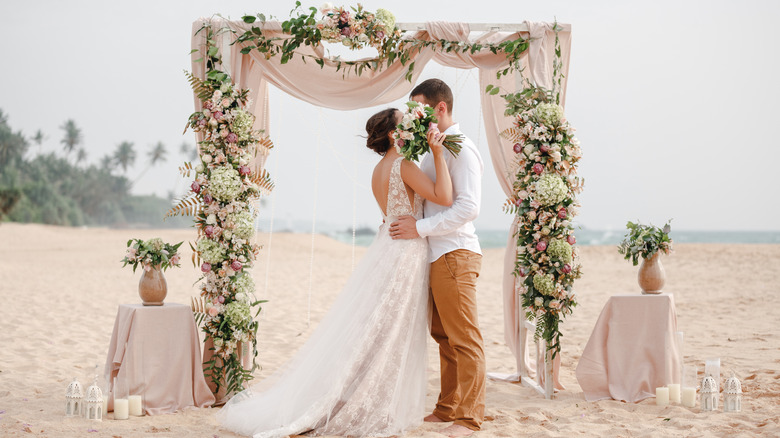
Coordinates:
[436,141]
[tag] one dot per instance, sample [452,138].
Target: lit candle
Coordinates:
[674,392]
[689,396]
[120,409]
[135,408]
[661,397]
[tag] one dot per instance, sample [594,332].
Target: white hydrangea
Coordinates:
[225,183]
[550,190]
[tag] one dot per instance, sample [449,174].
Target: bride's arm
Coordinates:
[439,192]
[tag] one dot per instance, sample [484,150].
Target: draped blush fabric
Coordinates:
[333,89]
[155,352]
[632,349]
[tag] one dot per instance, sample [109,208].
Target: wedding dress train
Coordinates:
[362,371]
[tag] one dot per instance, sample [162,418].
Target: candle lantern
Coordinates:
[74,398]
[93,403]
[709,394]
[732,395]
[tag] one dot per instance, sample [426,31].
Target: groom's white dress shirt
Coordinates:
[451,228]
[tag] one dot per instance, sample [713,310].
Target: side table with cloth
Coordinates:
[156,350]
[632,349]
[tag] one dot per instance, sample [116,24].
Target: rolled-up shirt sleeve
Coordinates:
[466,174]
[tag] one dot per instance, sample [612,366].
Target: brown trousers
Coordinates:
[455,328]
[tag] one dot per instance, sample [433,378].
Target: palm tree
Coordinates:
[38,138]
[124,155]
[156,155]
[190,151]
[13,145]
[81,155]
[72,136]
[107,163]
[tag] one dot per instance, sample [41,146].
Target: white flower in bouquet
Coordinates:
[549,113]
[211,251]
[243,122]
[387,18]
[238,313]
[244,285]
[243,224]
[550,190]
[225,183]
[538,301]
[544,283]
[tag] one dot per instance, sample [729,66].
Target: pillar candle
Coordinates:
[120,409]
[105,405]
[674,392]
[689,396]
[135,406]
[661,396]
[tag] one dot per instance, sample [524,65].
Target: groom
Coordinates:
[455,258]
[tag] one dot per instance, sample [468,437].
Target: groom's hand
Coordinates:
[404,228]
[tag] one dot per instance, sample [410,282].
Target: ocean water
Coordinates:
[587,237]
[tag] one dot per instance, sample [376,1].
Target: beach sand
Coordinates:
[60,288]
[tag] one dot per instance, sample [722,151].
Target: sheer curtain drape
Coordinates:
[329,88]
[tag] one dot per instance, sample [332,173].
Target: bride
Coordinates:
[362,371]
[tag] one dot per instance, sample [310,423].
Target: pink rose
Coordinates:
[380,35]
[202,122]
[433,126]
[236,265]
[517,148]
[538,168]
[344,17]
[218,115]
[544,148]
[224,133]
[207,199]
[346,31]
[562,213]
[244,170]
[195,187]
[399,142]
[175,259]
[571,239]
[541,245]
[213,311]
[207,104]
[209,230]
[221,299]
[205,267]
[231,138]
[225,102]
[566,268]
[518,202]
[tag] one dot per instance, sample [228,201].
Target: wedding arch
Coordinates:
[233,64]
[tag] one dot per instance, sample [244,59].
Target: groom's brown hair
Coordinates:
[434,91]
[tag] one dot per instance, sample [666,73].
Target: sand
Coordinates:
[60,288]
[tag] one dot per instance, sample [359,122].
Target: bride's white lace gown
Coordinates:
[362,371]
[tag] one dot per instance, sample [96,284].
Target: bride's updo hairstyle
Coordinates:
[377,127]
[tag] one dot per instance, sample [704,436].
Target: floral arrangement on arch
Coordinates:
[221,198]
[358,28]
[544,202]
[151,254]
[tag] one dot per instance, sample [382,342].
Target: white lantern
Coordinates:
[732,395]
[73,399]
[709,394]
[93,403]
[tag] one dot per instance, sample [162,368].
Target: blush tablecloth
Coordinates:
[632,349]
[155,351]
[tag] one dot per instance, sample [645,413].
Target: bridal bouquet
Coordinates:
[410,135]
[151,254]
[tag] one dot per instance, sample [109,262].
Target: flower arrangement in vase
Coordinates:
[647,241]
[154,256]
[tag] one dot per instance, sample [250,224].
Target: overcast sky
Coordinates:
[675,103]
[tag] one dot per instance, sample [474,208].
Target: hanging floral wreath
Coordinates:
[221,197]
[359,28]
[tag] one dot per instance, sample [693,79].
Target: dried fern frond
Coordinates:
[264,146]
[195,256]
[263,181]
[186,169]
[510,207]
[190,205]
[511,134]
[201,88]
